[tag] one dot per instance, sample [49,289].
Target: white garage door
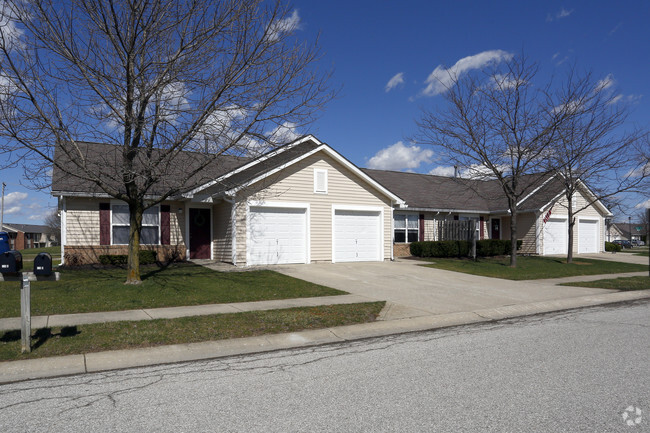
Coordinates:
[587,236]
[277,235]
[357,236]
[555,236]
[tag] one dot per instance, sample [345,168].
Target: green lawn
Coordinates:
[637,251]
[624,283]
[83,291]
[533,268]
[128,335]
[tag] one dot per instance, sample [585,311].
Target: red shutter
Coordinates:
[164,225]
[482,227]
[104,223]
[421,238]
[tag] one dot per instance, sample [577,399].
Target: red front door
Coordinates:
[199,233]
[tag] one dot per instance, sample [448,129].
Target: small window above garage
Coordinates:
[320,181]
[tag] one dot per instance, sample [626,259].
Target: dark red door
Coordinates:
[199,233]
[496,229]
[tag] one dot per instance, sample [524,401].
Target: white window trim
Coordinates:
[318,171]
[284,205]
[406,238]
[121,203]
[380,225]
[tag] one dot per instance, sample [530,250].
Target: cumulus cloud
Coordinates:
[400,157]
[22,207]
[643,205]
[605,83]
[13,210]
[442,78]
[286,25]
[14,198]
[285,133]
[441,170]
[562,13]
[395,81]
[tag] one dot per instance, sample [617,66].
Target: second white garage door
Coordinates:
[555,236]
[277,235]
[587,236]
[357,236]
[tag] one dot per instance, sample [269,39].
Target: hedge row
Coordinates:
[612,247]
[484,248]
[147,257]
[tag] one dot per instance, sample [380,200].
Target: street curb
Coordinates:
[16,371]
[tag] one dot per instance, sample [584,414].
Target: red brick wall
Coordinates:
[20,241]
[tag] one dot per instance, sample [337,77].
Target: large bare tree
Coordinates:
[496,124]
[156,79]
[592,146]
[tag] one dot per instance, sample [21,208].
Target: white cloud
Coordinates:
[13,210]
[443,78]
[400,157]
[562,13]
[643,205]
[395,81]
[285,133]
[441,170]
[286,25]
[15,198]
[605,83]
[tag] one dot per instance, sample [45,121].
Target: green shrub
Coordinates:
[484,248]
[612,247]
[147,257]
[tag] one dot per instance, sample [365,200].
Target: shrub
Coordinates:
[484,248]
[147,257]
[612,247]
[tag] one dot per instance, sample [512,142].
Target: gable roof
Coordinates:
[25,228]
[442,193]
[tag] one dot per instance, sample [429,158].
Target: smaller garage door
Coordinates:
[277,235]
[555,236]
[587,236]
[357,236]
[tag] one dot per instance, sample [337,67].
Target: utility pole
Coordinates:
[2,208]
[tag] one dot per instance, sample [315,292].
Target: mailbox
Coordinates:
[4,242]
[11,262]
[43,264]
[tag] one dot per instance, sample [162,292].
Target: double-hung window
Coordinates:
[150,233]
[406,228]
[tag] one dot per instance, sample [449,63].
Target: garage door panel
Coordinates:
[587,236]
[277,235]
[555,236]
[357,236]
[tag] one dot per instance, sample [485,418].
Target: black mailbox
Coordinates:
[11,262]
[43,264]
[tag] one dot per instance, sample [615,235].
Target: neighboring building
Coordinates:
[632,231]
[614,233]
[22,236]
[304,203]
[542,218]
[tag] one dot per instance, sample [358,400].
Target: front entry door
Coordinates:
[199,233]
[496,229]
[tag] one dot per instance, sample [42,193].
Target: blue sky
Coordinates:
[368,43]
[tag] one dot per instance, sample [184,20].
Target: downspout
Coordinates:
[233,222]
[392,232]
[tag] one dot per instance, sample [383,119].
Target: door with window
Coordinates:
[199,233]
[495,232]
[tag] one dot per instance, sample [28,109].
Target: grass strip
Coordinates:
[92,290]
[533,267]
[129,335]
[623,284]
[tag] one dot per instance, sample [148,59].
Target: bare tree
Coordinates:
[53,223]
[155,79]
[591,147]
[496,124]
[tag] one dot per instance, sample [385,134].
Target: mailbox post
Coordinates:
[11,264]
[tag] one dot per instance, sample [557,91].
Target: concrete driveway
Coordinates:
[412,290]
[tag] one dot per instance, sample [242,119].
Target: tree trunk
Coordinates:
[133,262]
[569,254]
[513,236]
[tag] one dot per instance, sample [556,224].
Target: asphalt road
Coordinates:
[572,371]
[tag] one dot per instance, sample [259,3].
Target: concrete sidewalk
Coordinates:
[417,300]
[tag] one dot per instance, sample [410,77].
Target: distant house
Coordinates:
[614,233]
[22,236]
[631,232]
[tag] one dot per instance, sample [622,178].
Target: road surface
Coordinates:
[574,371]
